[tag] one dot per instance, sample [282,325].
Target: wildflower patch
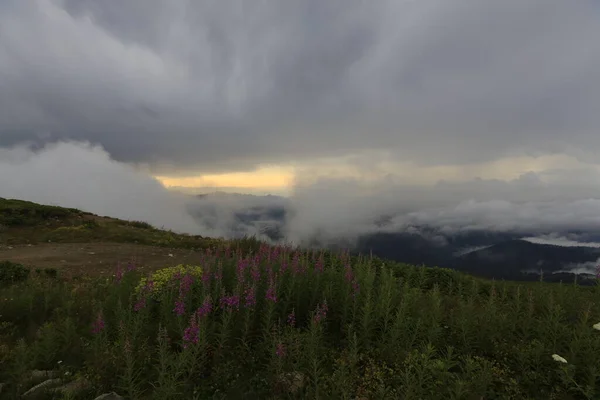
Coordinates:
[163,278]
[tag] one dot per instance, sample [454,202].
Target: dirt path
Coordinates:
[95,259]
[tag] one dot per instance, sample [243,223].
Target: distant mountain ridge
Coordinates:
[485,253]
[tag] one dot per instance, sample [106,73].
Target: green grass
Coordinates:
[390,331]
[306,325]
[23,222]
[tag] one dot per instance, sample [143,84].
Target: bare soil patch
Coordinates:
[95,259]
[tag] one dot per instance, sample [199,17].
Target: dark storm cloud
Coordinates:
[224,85]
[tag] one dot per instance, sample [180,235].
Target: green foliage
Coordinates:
[11,272]
[25,213]
[260,322]
[163,277]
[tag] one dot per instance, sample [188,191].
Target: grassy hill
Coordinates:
[255,321]
[23,222]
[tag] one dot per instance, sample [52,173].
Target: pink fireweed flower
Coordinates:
[206,307]
[598,271]
[255,273]
[350,278]
[271,294]
[119,273]
[349,275]
[191,334]
[206,275]
[98,324]
[291,319]
[319,265]
[296,263]
[280,350]
[242,265]
[275,253]
[179,309]
[321,312]
[131,266]
[186,283]
[284,266]
[230,302]
[250,296]
[184,287]
[141,303]
[219,273]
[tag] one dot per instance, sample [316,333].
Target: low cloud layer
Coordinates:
[84,176]
[224,86]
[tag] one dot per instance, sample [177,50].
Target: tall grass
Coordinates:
[281,323]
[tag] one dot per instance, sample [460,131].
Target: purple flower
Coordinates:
[186,283]
[321,312]
[179,309]
[141,303]
[219,273]
[206,275]
[291,319]
[296,263]
[206,307]
[242,265]
[119,273]
[184,287]
[255,273]
[350,278]
[271,294]
[98,325]
[192,332]
[231,302]
[349,275]
[280,350]
[250,296]
[319,265]
[131,266]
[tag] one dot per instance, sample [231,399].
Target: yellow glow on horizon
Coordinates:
[273,177]
[281,179]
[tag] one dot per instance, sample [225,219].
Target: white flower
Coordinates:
[596,326]
[558,358]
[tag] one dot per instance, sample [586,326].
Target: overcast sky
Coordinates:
[398,93]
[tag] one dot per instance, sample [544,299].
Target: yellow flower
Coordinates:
[162,277]
[558,358]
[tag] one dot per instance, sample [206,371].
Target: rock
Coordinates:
[40,388]
[41,374]
[109,396]
[74,387]
[291,382]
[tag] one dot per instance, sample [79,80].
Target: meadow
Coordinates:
[249,320]
[278,322]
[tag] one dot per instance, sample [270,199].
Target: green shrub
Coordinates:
[163,277]
[11,272]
